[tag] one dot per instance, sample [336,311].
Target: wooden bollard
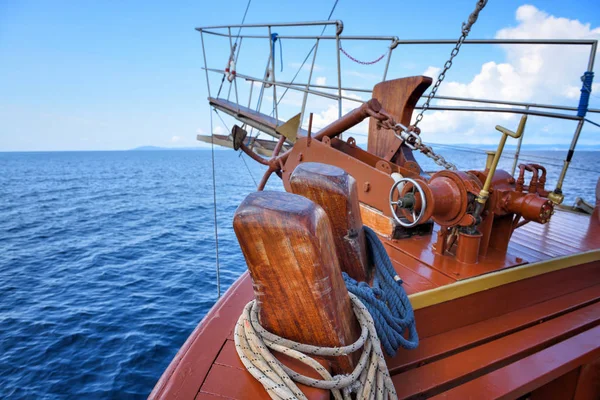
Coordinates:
[335,191]
[289,248]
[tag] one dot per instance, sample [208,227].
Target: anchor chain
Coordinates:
[466,28]
[410,137]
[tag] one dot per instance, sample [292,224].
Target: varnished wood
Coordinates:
[444,330]
[399,98]
[376,220]
[335,191]
[288,245]
[230,378]
[185,374]
[588,383]
[443,375]
[444,344]
[229,358]
[525,375]
[560,388]
[484,305]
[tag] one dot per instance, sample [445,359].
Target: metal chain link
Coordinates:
[361,62]
[410,137]
[466,28]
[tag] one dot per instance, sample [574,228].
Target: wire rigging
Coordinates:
[214,182]
[235,44]
[335,3]
[309,52]
[528,158]
[212,147]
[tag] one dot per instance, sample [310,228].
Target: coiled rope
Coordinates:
[386,300]
[384,313]
[370,379]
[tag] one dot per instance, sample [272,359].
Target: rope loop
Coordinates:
[386,300]
[369,379]
[384,314]
[275,38]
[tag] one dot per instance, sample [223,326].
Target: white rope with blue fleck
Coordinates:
[369,380]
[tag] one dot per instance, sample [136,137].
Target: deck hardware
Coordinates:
[408,202]
[485,191]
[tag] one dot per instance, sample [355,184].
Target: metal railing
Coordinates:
[335,92]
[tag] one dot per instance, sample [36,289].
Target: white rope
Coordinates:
[369,380]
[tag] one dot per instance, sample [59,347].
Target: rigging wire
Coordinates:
[248,168]
[212,147]
[592,122]
[241,153]
[297,72]
[243,20]
[214,182]
[219,115]
[528,158]
[235,45]
[309,52]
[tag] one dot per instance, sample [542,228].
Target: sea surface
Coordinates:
[107,260]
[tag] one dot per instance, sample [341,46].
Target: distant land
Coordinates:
[158,148]
[524,147]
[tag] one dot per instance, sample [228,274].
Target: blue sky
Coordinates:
[91,75]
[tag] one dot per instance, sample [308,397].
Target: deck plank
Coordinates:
[434,276]
[208,351]
[442,375]
[184,376]
[209,396]
[238,384]
[436,347]
[450,315]
[521,377]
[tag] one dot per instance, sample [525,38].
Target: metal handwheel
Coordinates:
[408,202]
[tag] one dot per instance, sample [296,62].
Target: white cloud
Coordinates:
[530,73]
[573,92]
[321,80]
[219,130]
[330,114]
[432,72]
[176,139]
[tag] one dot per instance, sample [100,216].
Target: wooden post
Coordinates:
[335,191]
[289,248]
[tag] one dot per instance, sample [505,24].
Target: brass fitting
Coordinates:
[556,198]
[489,161]
[491,166]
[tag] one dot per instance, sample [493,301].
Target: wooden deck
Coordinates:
[534,335]
[567,233]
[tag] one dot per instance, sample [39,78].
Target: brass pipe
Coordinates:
[485,191]
[490,159]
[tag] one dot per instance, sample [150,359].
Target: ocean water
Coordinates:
[107,260]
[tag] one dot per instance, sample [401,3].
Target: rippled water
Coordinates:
[107,262]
